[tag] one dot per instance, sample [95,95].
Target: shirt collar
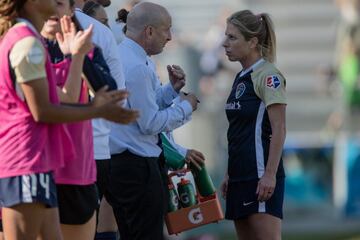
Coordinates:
[252,67]
[139,51]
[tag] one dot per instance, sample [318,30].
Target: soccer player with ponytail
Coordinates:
[254,182]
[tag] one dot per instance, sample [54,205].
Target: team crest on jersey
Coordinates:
[273,82]
[240,89]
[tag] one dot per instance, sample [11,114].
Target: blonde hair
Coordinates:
[9,11]
[259,26]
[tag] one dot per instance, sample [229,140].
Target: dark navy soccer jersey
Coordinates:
[95,70]
[249,130]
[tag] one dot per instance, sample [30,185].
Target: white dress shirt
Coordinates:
[158,113]
[177,100]
[104,39]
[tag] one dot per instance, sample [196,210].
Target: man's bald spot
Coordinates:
[144,14]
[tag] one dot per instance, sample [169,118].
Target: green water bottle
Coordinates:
[174,160]
[186,193]
[203,181]
[173,202]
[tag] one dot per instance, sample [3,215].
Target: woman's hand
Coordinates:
[110,107]
[72,42]
[224,186]
[102,96]
[266,187]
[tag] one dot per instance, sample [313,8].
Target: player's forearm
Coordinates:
[275,150]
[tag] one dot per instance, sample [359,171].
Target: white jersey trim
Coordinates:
[258,141]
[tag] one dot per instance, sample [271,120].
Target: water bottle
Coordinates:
[186,193]
[173,201]
[203,181]
[174,160]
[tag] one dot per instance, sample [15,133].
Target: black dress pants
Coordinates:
[137,196]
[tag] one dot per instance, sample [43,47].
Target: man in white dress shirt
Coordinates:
[136,184]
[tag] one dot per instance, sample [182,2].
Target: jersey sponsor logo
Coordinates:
[273,82]
[240,89]
[233,106]
[195,216]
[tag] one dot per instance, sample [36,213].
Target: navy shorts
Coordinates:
[31,188]
[77,203]
[241,200]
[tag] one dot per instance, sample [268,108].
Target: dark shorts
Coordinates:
[102,182]
[31,188]
[241,200]
[103,178]
[137,196]
[1,226]
[77,203]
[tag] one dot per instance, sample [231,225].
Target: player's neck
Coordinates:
[250,60]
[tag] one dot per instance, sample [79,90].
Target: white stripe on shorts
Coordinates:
[262,207]
[26,188]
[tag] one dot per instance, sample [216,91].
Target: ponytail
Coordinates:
[268,47]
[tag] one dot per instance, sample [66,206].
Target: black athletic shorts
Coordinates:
[241,200]
[102,178]
[77,203]
[1,226]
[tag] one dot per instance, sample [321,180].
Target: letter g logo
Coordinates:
[195,216]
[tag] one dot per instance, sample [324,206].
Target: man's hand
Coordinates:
[177,77]
[193,100]
[195,157]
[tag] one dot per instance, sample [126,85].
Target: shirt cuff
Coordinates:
[170,92]
[187,108]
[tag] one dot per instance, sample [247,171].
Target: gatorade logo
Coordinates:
[195,216]
[175,200]
[185,198]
